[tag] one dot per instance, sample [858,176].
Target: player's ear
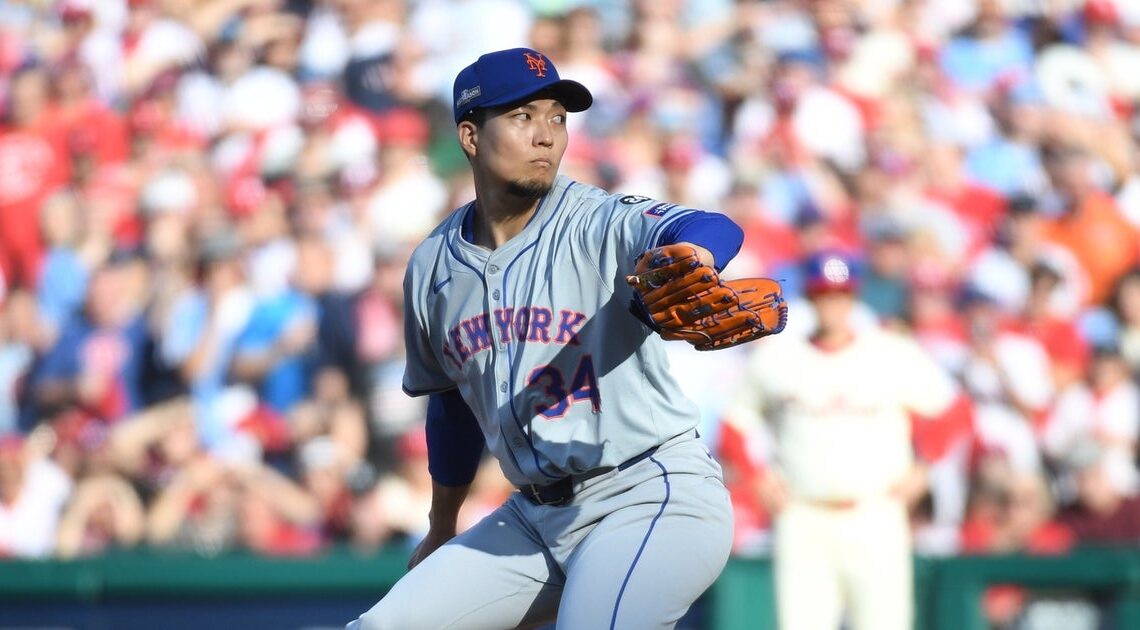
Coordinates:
[468,134]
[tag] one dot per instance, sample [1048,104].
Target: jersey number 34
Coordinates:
[556,398]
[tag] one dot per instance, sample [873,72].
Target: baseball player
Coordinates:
[529,322]
[837,404]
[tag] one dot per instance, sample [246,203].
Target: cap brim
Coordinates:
[573,95]
[825,288]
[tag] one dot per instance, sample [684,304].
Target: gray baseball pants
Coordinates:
[632,550]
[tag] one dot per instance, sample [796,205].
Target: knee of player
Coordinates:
[380,617]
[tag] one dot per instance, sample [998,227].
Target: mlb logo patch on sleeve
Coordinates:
[660,209]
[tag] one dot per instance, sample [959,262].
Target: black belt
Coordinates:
[560,492]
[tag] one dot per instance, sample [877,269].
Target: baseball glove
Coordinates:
[682,298]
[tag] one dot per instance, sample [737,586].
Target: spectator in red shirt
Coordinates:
[1068,350]
[978,208]
[769,243]
[33,164]
[96,135]
[1011,511]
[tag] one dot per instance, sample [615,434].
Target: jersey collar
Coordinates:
[462,231]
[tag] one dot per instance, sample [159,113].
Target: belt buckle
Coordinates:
[537,498]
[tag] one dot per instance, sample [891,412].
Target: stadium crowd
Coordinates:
[206,208]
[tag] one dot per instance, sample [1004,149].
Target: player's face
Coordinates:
[833,310]
[522,147]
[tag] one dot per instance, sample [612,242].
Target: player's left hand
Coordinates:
[909,488]
[686,299]
[772,492]
[432,541]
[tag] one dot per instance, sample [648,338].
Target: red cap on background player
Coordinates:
[829,272]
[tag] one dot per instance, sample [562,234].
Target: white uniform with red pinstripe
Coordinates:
[841,430]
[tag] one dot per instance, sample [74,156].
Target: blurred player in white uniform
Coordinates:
[842,470]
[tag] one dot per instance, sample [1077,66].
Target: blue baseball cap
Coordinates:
[507,76]
[830,272]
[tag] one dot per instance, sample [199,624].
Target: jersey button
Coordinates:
[493,269]
[502,387]
[495,294]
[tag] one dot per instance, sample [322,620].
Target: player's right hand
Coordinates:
[434,540]
[773,492]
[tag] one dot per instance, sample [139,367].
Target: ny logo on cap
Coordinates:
[536,63]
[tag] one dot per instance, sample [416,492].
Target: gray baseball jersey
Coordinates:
[564,380]
[538,336]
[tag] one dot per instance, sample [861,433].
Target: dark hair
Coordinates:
[1044,270]
[477,116]
[1022,203]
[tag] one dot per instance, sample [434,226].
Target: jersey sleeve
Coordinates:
[750,415]
[710,230]
[927,389]
[455,441]
[422,373]
[624,226]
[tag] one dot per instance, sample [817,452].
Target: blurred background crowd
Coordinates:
[206,207]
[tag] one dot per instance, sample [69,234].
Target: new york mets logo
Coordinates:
[536,63]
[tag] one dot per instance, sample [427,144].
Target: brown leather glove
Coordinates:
[686,299]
